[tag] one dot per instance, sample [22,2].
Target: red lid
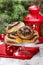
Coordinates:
[34,9]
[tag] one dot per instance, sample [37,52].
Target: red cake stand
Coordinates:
[18,52]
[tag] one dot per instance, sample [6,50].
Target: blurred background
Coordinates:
[15,10]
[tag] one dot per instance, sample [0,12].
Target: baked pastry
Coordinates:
[25,32]
[14,26]
[33,39]
[13,38]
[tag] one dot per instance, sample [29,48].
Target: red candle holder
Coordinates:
[35,21]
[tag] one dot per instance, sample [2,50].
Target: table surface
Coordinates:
[36,60]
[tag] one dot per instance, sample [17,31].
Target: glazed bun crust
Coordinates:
[13,39]
[33,39]
[25,32]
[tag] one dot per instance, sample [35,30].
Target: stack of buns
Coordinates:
[18,33]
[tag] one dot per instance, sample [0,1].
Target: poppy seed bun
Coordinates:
[13,39]
[33,39]
[14,26]
[25,32]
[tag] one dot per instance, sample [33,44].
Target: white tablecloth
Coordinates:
[36,60]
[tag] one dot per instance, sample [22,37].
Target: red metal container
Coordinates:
[35,21]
